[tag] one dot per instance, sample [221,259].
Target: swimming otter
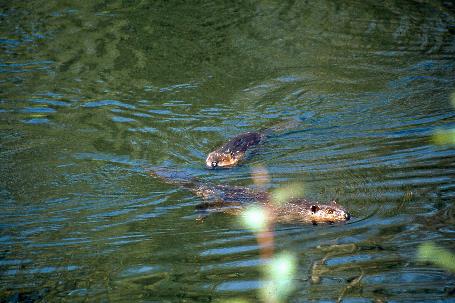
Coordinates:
[234,150]
[234,199]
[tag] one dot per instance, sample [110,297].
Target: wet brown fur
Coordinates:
[230,154]
[234,150]
[234,199]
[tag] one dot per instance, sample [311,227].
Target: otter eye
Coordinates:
[314,208]
[214,164]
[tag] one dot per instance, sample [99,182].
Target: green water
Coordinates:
[95,94]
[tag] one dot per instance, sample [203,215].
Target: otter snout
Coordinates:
[211,162]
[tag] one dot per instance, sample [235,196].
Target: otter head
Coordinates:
[328,213]
[216,159]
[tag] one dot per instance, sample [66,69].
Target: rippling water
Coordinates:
[94,95]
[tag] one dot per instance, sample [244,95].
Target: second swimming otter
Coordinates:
[234,150]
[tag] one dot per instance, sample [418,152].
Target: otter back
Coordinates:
[241,143]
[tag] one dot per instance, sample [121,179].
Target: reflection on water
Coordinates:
[93,94]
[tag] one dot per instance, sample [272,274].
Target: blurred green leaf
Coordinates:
[284,194]
[429,252]
[235,300]
[255,218]
[279,273]
[444,137]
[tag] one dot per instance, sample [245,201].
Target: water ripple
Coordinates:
[97,95]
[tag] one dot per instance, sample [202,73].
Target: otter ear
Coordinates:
[314,208]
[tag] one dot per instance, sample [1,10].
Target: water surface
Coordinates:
[93,95]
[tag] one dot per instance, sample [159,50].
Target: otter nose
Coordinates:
[214,164]
[347,216]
